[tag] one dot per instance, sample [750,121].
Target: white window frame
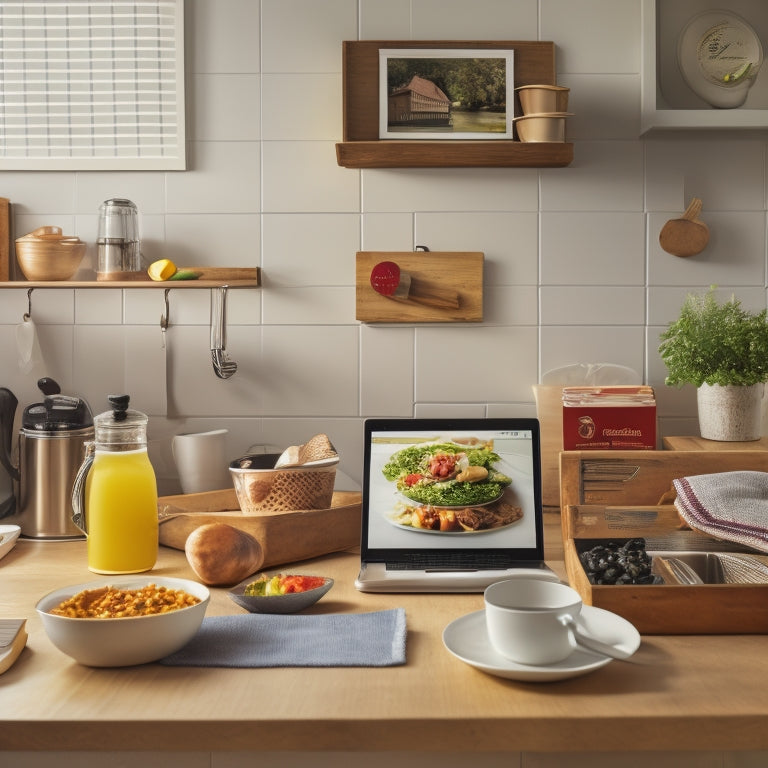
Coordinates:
[92,85]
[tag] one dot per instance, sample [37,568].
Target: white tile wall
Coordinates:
[222,178]
[698,166]
[588,248]
[301,106]
[479,20]
[225,107]
[573,270]
[385,19]
[594,36]
[302,176]
[310,250]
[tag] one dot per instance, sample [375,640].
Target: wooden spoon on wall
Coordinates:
[686,236]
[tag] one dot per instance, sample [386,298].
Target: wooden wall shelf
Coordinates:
[457,154]
[170,284]
[534,63]
[212,277]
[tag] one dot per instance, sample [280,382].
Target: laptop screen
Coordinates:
[462,491]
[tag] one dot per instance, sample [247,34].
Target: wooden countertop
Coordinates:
[687,693]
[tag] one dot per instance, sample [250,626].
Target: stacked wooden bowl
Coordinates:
[544,112]
[47,254]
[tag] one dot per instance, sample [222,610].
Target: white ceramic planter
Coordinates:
[730,413]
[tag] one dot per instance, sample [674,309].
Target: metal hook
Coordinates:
[28,313]
[165,320]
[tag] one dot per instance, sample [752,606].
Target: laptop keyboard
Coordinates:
[456,562]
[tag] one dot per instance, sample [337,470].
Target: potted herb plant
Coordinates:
[722,349]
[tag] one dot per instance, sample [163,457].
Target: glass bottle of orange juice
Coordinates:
[118,491]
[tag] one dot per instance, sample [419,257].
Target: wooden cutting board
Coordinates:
[285,537]
[458,271]
[5,239]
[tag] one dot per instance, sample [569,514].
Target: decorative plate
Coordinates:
[719,55]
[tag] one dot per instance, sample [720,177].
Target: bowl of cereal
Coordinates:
[122,621]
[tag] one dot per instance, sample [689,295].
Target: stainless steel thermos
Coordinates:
[51,448]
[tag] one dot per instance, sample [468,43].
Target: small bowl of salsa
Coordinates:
[279,592]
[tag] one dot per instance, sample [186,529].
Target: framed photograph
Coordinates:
[446,93]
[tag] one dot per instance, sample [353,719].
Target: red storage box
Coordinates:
[607,418]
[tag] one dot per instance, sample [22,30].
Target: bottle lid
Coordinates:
[121,428]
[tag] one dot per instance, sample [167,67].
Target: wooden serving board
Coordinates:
[285,537]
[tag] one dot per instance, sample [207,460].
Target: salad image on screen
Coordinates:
[450,487]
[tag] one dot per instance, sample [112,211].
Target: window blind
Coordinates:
[91,84]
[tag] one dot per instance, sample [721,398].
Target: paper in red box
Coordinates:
[607,418]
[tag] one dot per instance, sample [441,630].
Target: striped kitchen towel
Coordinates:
[728,505]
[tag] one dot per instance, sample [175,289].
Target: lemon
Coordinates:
[161,270]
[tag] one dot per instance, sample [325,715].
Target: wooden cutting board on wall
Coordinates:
[459,272]
[5,239]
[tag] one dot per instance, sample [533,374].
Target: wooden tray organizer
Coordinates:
[286,537]
[618,495]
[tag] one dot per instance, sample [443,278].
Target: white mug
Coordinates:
[535,622]
[201,461]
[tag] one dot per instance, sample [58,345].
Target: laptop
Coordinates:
[450,505]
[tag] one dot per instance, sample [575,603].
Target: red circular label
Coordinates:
[385,277]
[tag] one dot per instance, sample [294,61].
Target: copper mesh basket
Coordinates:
[262,490]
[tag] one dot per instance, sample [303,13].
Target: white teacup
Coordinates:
[201,461]
[535,622]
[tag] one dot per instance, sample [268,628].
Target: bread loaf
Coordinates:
[222,555]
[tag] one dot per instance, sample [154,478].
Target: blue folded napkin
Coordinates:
[374,639]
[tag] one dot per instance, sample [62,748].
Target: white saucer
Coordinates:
[8,536]
[466,638]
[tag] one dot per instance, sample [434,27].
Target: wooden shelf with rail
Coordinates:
[212,277]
